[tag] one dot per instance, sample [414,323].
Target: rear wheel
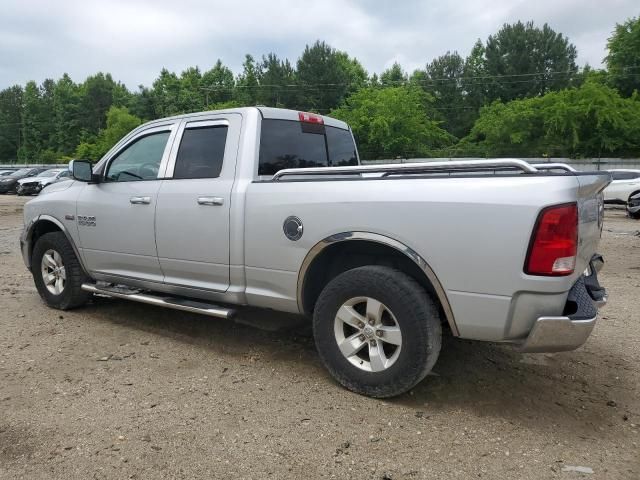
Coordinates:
[57,272]
[377,331]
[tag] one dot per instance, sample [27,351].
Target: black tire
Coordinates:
[415,313]
[72,295]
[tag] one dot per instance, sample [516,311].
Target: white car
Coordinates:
[33,185]
[625,183]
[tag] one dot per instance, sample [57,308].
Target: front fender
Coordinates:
[50,224]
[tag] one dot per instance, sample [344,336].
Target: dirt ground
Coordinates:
[123,390]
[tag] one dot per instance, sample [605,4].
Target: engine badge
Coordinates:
[293,228]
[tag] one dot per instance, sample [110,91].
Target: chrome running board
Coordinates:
[176,303]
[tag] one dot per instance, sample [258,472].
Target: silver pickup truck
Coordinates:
[271,208]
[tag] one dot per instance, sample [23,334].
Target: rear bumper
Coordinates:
[570,331]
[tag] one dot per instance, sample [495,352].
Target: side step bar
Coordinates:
[175,303]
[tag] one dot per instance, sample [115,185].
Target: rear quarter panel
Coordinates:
[473,232]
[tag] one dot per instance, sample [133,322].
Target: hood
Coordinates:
[9,179]
[27,180]
[57,186]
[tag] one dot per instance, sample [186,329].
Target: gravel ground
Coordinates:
[123,390]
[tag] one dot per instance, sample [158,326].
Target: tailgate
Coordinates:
[591,214]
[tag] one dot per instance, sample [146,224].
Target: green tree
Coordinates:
[323,77]
[393,76]
[97,93]
[10,123]
[66,113]
[119,122]
[524,61]
[218,84]
[392,122]
[474,81]
[191,96]
[33,127]
[357,76]
[588,121]
[445,76]
[276,78]
[143,103]
[166,92]
[623,60]
[247,84]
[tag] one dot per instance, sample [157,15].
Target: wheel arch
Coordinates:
[39,226]
[344,251]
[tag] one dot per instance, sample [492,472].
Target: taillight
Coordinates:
[554,242]
[310,118]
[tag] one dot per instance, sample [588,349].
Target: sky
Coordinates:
[135,39]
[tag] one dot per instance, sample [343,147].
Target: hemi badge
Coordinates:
[69,217]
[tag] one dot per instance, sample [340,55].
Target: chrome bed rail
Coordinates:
[412,168]
[554,166]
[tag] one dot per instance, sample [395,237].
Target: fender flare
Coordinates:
[26,239]
[384,240]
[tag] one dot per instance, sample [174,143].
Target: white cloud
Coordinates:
[134,39]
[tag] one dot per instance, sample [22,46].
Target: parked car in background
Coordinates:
[625,183]
[633,206]
[6,172]
[33,185]
[9,183]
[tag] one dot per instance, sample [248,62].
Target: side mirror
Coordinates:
[82,170]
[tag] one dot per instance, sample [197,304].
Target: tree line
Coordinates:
[519,93]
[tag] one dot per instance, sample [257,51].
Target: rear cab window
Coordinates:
[295,144]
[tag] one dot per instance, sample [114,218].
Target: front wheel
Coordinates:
[57,272]
[377,331]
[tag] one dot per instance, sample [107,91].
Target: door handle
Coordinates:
[140,200]
[215,201]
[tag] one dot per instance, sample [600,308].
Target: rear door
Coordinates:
[192,215]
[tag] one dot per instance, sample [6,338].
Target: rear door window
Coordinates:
[201,152]
[288,144]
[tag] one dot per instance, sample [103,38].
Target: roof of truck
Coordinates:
[265,112]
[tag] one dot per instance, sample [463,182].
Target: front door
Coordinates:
[116,216]
[192,216]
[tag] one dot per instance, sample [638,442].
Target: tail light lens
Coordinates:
[554,242]
[310,118]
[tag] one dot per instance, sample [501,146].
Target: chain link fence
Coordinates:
[584,164]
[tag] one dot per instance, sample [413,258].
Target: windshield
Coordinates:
[49,173]
[22,171]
